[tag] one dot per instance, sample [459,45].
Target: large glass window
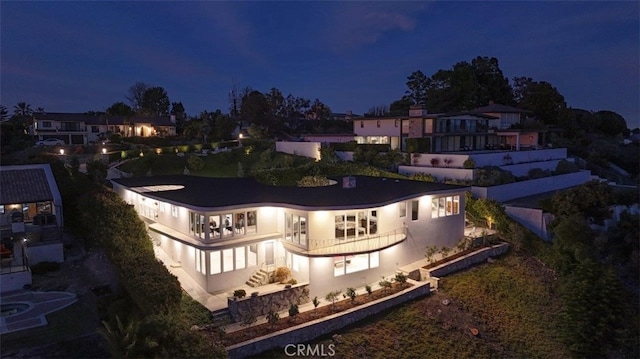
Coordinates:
[197,224]
[295,228]
[214,226]
[402,209]
[227,260]
[215,262]
[415,206]
[354,263]
[240,257]
[252,221]
[227,225]
[201,264]
[253,255]
[445,206]
[240,223]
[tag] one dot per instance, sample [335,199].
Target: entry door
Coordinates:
[268,254]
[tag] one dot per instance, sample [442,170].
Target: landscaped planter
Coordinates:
[310,330]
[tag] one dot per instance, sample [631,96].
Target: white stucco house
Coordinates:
[222,230]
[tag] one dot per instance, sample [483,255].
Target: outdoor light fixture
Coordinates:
[24,240]
[62,151]
[240,136]
[104,150]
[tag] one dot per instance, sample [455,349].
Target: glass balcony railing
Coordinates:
[361,244]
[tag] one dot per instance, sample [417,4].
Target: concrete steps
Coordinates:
[261,277]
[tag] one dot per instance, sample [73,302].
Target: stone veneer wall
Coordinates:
[311,330]
[262,303]
[464,262]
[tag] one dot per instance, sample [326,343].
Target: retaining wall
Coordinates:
[262,303]
[306,149]
[464,262]
[311,330]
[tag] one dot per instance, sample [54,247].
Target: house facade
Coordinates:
[79,128]
[485,128]
[31,220]
[348,234]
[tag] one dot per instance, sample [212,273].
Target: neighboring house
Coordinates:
[480,129]
[30,221]
[78,128]
[223,230]
[347,116]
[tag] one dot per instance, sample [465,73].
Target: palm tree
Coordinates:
[22,109]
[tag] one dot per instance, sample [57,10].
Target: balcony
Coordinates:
[331,247]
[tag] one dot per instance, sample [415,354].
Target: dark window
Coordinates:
[414,210]
[95,129]
[46,124]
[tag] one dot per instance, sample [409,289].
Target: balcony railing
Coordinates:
[356,245]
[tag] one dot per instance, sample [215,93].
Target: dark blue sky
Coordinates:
[82,56]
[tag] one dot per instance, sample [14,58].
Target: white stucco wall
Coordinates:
[439,172]
[46,252]
[531,218]
[370,127]
[329,138]
[306,149]
[527,188]
[497,158]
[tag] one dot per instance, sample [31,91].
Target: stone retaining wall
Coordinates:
[465,261]
[263,302]
[311,330]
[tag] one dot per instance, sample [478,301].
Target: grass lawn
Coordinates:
[223,164]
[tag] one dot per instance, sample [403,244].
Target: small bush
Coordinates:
[239,293]
[469,164]
[293,311]
[281,274]
[292,281]
[368,289]
[351,293]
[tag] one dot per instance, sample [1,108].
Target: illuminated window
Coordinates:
[215,262]
[445,206]
[355,263]
[174,211]
[402,208]
[227,260]
[240,257]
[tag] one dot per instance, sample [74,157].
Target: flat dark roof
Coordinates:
[211,192]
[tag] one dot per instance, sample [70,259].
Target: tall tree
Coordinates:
[135,94]
[492,84]
[319,111]
[276,102]
[22,109]
[255,109]
[155,102]
[120,109]
[4,113]
[400,107]
[540,97]
[611,124]
[177,110]
[417,88]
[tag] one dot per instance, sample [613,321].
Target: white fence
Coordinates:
[306,149]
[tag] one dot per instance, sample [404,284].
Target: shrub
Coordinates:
[239,293]
[293,311]
[332,297]
[273,317]
[435,162]
[425,177]
[401,278]
[351,293]
[368,289]
[469,164]
[313,181]
[281,274]
[195,163]
[565,167]
[385,284]
[292,281]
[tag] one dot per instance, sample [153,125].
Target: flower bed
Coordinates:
[255,331]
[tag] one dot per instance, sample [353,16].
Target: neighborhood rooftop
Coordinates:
[210,192]
[23,185]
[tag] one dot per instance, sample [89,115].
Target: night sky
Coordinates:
[83,56]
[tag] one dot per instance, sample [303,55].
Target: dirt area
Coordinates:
[72,331]
[283,323]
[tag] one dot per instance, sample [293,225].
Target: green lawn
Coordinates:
[224,164]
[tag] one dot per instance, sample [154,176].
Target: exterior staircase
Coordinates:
[260,277]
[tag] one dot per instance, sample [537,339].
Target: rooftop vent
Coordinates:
[348,182]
